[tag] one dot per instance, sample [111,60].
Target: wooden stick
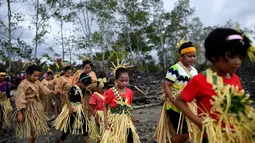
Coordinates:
[140,91]
[179,123]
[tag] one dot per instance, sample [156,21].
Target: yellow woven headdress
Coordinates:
[178,45]
[86,59]
[120,64]
[185,50]
[28,63]
[251,49]
[102,81]
[49,70]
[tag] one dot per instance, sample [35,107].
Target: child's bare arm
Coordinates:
[168,90]
[92,110]
[180,103]
[106,122]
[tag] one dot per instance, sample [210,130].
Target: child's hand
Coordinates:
[107,125]
[97,118]
[199,123]
[55,92]
[71,111]
[20,117]
[12,98]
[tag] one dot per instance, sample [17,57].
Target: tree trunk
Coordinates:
[36,28]
[130,47]
[164,56]
[9,36]
[62,40]
[103,57]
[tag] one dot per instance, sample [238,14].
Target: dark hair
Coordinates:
[31,69]
[85,79]
[216,44]
[101,74]
[185,45]
[62,73]
[86,62]
[120,71]
[67,68]
[49,73]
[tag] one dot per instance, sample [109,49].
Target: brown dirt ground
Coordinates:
[148,118]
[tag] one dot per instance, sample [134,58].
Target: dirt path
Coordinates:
[148,118]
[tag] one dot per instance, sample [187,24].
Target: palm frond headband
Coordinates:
[120,64]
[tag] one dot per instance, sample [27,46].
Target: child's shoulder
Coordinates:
[199,76]
[235,76]
[109,91]
[129,90]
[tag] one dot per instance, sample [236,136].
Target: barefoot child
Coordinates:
[96,103]
[223,113]
[119,124]
[48,82]
[73,119]
[5,98]
[31,120]
[63,86]
[172,126]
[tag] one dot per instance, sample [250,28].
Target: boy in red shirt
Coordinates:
[225,49]
[96,103]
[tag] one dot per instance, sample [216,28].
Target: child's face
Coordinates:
[35,76]
[2,77]
[230,64]
[123,80]
[87,68]
[68,73]
[189,58]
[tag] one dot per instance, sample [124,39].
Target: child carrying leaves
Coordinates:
[224,114]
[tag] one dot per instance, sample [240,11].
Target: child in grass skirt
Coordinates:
[5,97]
[224,113]
[96,103]
[31,119]
[119,124]
[172,126]
[48,82]
[73,118]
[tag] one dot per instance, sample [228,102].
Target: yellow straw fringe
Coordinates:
[194,131]
[62,122]
[235,131]
[7,109]
[119,129]
[34,120]
[164,128]
[96,131]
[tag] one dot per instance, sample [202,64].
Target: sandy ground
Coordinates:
[148,118]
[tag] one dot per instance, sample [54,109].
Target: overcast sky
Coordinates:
[211,12]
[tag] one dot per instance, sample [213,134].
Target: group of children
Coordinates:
[196,107]
[79,104]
